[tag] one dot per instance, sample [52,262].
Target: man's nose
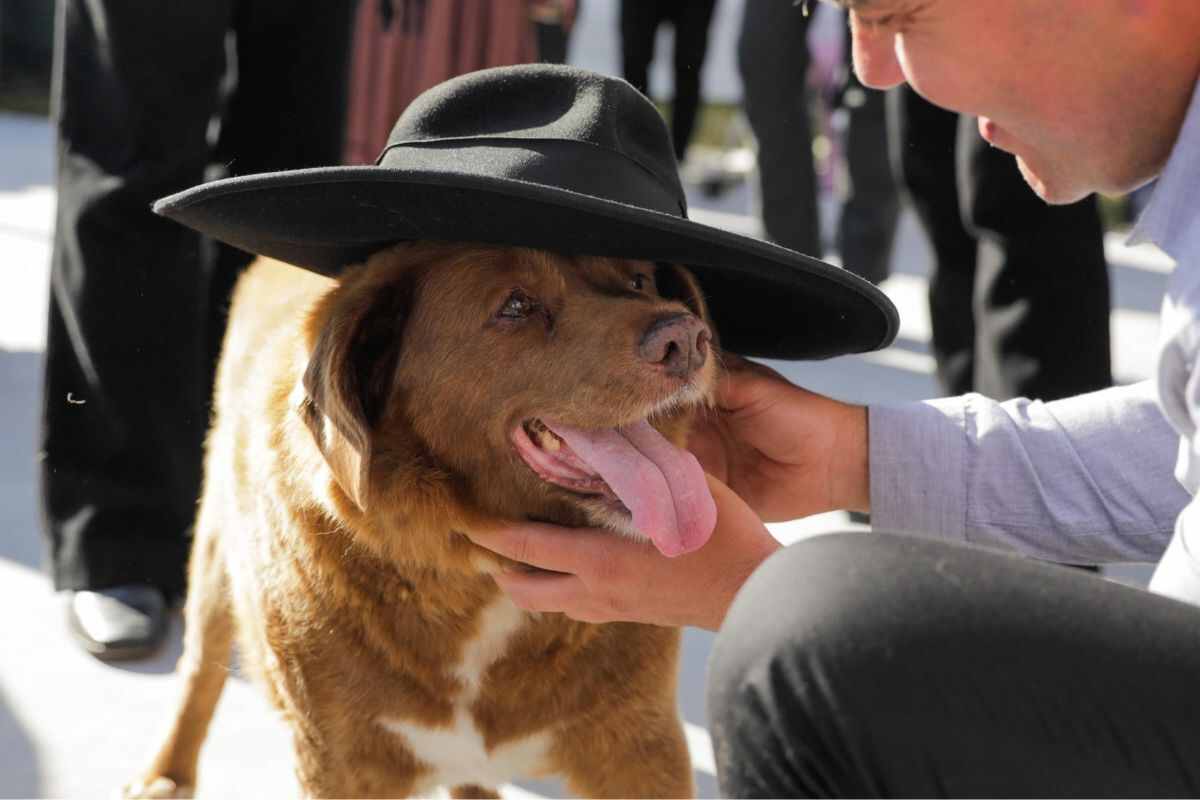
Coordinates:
[875,61]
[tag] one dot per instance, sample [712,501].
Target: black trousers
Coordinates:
[137,303]
[1019,293]
[876,665]
[551,42]
[773,60]
[640,20]
[866,227]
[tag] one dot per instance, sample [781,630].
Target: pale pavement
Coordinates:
[71,726]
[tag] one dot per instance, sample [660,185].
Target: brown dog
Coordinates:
[361,427]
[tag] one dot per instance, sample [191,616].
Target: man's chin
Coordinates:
[1055,190]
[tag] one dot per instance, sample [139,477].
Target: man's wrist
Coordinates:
[850,483]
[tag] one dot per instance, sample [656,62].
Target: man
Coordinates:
[873,665]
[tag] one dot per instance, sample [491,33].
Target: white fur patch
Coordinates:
[497,624]
[458,754]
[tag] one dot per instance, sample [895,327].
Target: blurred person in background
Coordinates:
[147,102]
[1018,290]
[552,24]
[403,47]
[639,24]
[774,62]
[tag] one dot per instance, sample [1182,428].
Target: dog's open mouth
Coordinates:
[632,470]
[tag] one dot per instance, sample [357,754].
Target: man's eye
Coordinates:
[640,282]
[519,305]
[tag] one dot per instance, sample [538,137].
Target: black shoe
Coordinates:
[121,622]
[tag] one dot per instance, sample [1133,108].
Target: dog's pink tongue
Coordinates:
[663,486]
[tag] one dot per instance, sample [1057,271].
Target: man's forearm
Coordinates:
[1084,479]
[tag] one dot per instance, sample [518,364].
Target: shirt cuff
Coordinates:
[918,467]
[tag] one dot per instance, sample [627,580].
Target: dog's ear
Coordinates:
[349,380]
[678,283]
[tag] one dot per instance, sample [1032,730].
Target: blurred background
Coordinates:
[73,726]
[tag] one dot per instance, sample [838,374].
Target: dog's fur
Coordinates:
[361,427]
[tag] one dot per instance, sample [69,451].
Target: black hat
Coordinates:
[550,157]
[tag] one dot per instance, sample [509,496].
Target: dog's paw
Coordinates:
[154,788]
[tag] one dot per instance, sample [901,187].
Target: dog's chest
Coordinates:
[457,753]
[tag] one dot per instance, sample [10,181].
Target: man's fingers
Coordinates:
[544,591]
[545,546]
[742,383]
[707,443]
[729,383]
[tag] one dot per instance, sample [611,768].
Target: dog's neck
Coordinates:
[439,602]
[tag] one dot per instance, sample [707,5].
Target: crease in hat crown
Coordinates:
[553,103]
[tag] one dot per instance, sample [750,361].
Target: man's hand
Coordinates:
[599,576]
[787,452]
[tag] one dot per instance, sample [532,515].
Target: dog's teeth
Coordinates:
[543,436]
[547,440]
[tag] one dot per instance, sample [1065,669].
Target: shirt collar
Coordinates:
[1173,213]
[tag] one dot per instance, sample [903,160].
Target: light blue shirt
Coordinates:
[1109,476]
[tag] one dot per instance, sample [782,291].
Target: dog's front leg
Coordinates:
[201,671]
[648,757]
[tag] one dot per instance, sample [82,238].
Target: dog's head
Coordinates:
[520,383]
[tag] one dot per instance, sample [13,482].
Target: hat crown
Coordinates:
[542,103]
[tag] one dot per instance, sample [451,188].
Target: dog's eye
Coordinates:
[640,282]
[518,306]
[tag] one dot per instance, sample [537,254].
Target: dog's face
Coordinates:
[534,383]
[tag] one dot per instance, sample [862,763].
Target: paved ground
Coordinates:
[73,727]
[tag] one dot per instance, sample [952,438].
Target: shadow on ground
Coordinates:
[22,774]
[27,143]
[20,395]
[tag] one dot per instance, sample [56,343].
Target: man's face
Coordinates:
[1037,74]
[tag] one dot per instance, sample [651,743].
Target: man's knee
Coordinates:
[799,630]
[819,656]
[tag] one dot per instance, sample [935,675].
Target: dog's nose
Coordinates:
[678,342]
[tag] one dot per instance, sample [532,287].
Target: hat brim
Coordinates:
[766,301]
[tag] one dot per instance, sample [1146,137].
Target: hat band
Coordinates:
[558,164]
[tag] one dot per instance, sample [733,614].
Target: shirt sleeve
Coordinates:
[1083,480]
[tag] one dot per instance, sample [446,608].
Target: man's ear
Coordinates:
[349,378]
[678,283]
